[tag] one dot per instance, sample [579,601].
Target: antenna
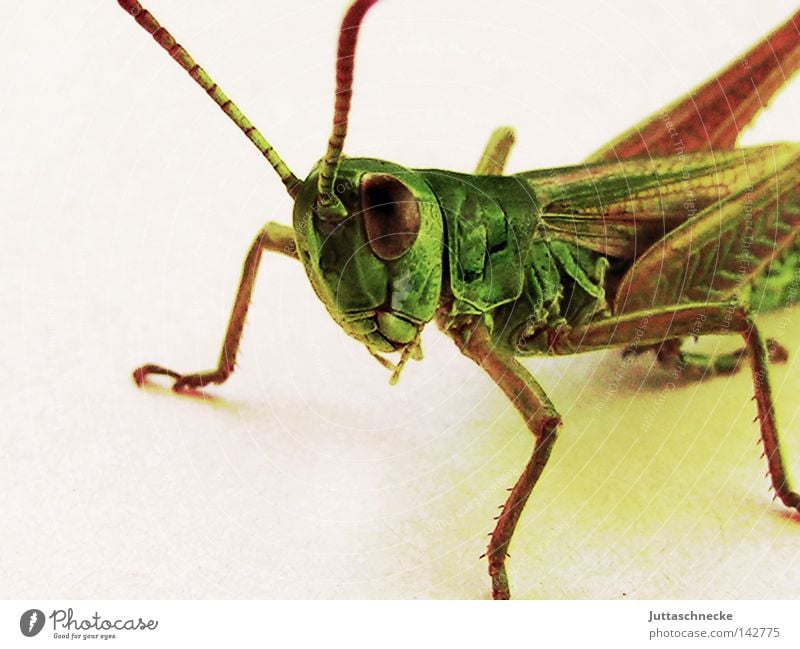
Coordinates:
[184,59]
[329,203]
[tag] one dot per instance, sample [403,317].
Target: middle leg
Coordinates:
[494,156]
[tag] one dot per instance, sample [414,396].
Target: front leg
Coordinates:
[541,418]
[273,237]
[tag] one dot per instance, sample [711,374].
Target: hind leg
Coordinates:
[683,321]
[697,366]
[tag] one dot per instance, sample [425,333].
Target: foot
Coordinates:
[183,382]
[500,588]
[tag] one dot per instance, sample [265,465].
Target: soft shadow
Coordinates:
[789,515]
[644,371]
[196,395]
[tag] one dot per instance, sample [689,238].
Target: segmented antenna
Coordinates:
[184,59]
[348,37]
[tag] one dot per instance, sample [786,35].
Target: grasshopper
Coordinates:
[668,232]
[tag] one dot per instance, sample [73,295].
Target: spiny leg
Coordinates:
[495,154]
[272,237]
[670,355]
[766,416]
[542,420]
[649,327]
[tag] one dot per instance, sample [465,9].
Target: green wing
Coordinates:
[727,246]
[676,224]
[620,209]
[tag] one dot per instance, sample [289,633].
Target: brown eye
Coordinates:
[391,215]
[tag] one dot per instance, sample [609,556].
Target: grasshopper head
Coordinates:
[377,266]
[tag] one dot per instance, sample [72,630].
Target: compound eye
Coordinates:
[391,215]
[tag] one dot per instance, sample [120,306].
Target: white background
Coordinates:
[128,202]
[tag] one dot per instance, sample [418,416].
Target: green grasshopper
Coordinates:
[668,232]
